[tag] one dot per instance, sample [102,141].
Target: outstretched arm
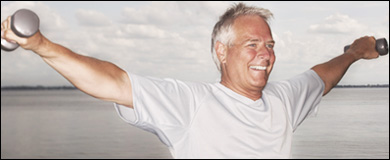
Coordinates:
[332,71]
[97,78]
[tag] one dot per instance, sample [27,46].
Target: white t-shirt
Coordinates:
[203,120]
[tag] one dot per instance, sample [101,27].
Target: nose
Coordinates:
[264,52]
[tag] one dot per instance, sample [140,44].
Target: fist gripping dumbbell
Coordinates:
[24,23]
[381,46]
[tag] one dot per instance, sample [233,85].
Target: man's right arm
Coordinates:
[100,79]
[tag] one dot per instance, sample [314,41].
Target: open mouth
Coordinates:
[260,68]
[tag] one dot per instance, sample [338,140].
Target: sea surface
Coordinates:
[350,123]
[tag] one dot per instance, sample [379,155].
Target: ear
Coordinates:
[221,51]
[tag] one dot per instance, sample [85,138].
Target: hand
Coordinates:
[364,48]
[30,43]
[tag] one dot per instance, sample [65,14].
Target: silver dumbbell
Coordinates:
[24,23]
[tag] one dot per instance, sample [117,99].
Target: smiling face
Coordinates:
[248,61]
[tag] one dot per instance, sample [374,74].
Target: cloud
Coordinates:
[174,13]
[337,24]
[92,18]
[142,31]
[152,40]
[171,38]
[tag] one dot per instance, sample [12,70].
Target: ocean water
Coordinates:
[351,123]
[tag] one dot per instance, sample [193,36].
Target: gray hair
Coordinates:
[223,29]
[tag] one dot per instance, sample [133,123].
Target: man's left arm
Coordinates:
[332,71]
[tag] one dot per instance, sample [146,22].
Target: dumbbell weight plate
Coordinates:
[24,23]
[382,46]
[8,46]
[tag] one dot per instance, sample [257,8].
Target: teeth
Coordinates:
[258,67]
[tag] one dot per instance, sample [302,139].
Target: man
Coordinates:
[243,116]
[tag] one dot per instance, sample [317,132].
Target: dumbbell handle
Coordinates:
[381,46]
[24,23]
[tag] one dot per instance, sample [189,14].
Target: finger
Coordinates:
[2,31]
[12,37]
[4,26]
[8,36]
[9,22]
[375,53]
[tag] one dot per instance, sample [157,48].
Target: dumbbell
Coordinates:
[381,46]
[24,23]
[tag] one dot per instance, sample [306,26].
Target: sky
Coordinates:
[172,39]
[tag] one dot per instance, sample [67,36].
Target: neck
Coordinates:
[253,94]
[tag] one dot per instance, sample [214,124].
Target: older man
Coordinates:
[243,116]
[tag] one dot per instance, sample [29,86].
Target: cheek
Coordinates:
[272,62]
[247,56]
[250,54]
[234,57]
[273,58]
[239,58]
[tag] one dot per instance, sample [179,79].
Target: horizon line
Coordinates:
[68,87]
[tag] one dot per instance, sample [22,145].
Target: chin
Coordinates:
[259,83]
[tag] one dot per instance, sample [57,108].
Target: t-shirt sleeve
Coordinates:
[161,106]
[300,94]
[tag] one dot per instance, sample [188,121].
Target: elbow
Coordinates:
[328,87]
[124,87]
[115,88]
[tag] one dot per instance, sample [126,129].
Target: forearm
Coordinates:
[332,71]
[97,78]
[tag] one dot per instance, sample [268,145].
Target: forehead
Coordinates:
[251,26]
